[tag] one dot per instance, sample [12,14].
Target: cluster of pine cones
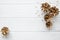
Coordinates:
[50,13]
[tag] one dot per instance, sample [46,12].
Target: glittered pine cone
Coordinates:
[5,31]
[48,24]
[54,11]
[48,17]
[45,7]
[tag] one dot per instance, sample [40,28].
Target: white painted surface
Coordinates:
[24,19]
[32,36]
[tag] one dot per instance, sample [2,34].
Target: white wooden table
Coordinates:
[25,20]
